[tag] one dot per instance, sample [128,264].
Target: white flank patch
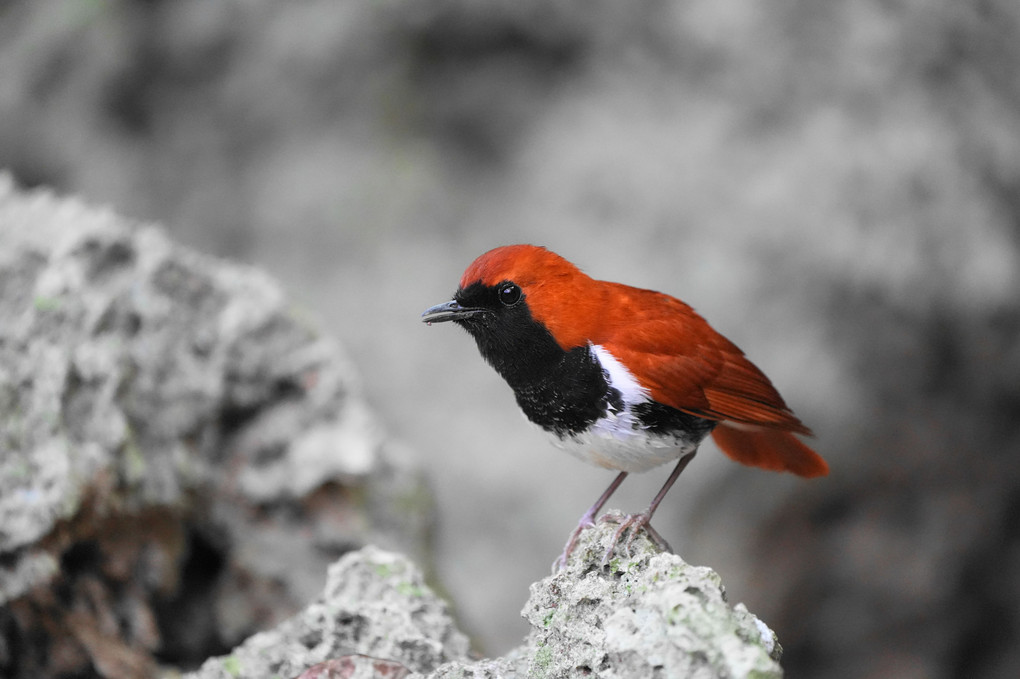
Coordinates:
[619,377]
[618,441]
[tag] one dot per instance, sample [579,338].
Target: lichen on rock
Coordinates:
[645,614]
[181,453]
[376,604]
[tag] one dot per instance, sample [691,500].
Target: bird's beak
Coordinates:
[448,311]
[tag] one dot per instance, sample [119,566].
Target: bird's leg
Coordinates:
[643,520]
[587,521]
[659,541]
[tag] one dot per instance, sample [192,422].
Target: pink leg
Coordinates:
[637,521]
[587,521]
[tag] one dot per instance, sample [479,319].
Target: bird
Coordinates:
[622,377]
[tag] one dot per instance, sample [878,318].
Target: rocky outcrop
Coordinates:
[646,614]
[375,605]
[181,454]
[643,615]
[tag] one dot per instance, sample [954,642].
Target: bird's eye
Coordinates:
[509,294]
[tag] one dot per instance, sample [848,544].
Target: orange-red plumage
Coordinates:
[772,449]
[671,350]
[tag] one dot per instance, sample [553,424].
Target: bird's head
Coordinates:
[519,297]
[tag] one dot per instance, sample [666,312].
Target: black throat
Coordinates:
[562,391]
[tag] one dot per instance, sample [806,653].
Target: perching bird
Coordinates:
[621,377]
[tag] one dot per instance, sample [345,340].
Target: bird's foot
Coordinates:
[587,521]
[634,523]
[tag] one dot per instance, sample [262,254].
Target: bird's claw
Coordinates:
[634,523]
[561,561]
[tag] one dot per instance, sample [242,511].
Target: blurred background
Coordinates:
[835,186]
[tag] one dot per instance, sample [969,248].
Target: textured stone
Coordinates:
[647,614]
[375,604]
[181,454]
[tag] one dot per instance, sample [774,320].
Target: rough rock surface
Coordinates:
[375,604]
[648,614]
[645,615]
[181,454]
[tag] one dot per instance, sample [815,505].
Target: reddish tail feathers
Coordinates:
[771,449]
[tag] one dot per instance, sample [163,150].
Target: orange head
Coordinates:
[558,295]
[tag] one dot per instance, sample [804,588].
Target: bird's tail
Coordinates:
[772,449]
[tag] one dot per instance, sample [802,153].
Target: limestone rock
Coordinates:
[376,607]
[181,453]
[647,614]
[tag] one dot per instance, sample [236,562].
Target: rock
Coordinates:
[354,667]
[645,615]
[182,454]
[648,614]
[376,610]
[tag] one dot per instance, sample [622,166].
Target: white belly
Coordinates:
[618,440]
[634,453]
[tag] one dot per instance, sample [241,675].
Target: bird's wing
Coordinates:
[686,364]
